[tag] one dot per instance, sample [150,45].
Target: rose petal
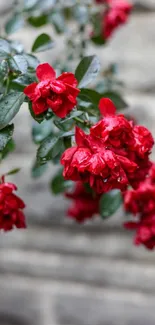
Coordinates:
[45,71]
[68,78]
[80,137]
[54,103]
[39,106]
[106,107]
[130,225]
[57,86]
[68,155]
[30,90]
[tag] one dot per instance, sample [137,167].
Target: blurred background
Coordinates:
[60,273]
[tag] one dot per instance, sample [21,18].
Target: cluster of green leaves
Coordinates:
[17,69]
[38,13]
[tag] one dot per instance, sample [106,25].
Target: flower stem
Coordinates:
[77,119]
[7,86]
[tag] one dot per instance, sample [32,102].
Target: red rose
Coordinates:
[145,230]
[85,204]
[141,200]
[144,165]
[115,131]
[123,5]
[126,139]
[59,94]
[116,15]
[90,161]
[143,141]
[151,176]
[11,207]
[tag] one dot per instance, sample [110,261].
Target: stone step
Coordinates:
[72,304]
[82,241]
[102,272]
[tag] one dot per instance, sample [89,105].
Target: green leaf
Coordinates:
[42,43]
[5,136]
[18,63]
[109,203]
[38,21]
[87,70]
[32,61]
[37,170]
[67,142]
[81,14]
[90,96]
[93,97]
[48,149]
[45,5]
[66,124]
[98,40]
[29,4]
[58,21]
[5,48]
[4,69]
[9,107]
[58,184]
[13,171]
[22,81]
[116,98]
[17,47]
[16,22]
[41,131]
[10,147]
[66,134]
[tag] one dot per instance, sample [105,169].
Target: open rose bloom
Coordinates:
[116,14]
[58,94]
[85,203]
[11,208]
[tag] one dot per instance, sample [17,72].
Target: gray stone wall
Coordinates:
[59,273]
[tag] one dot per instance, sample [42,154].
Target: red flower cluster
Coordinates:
[59,94]
[116,15]
[110,155]
[85,204]
[141,202]
[11,207]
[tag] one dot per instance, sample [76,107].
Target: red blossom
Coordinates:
[85,204]
[59,94]
[110,156]
[11,206]
[141,203]
[145,230]
[115,16]
[141,200]
[90,161]
[144,165]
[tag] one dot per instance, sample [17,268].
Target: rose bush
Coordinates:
[104,155]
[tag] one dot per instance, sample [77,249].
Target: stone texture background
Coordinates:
[59,273]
